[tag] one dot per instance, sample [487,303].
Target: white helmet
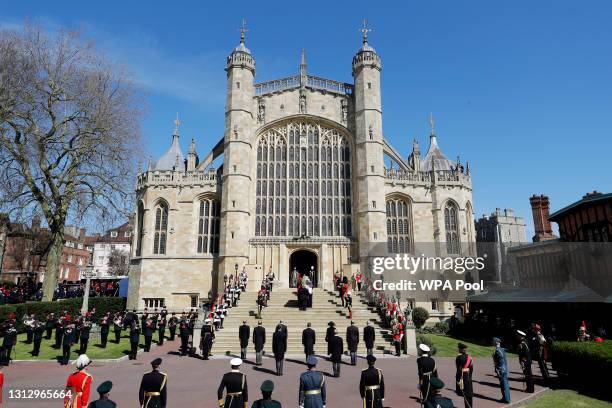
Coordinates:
[82,362]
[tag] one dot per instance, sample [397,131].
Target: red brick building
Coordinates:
[586,220]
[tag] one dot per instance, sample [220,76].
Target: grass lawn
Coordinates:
[567,399]
[447,346]
[94,351]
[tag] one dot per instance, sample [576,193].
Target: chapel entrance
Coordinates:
[303,262]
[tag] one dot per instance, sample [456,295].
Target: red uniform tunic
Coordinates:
[79,384]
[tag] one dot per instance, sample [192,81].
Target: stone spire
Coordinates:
[168,160]
[415,156]
[241,55]
[434,153]
[366,56]
[192,157]
[303,66]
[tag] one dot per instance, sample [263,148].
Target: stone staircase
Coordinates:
[283,306]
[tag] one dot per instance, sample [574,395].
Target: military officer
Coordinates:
[244,332]
[525,359]
[308,340]
[153,387]
[207,338]
[426,369]
[369,336]
[172,323]
[104,391]
[266,402]
[85,329]
[235,385]
[435,400]
[372,385]
[312,386]
[337,349]
[148,330]
[78,384]
[104,328]
[259,339]
[500,362]
[37,335]
[463,375]
[134,339]
[352,341]
[184,335]
[67,341]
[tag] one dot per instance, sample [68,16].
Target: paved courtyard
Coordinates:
[193,382]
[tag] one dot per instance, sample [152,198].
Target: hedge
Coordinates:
[73,306]
[584,365]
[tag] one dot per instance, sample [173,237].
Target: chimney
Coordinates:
[540,208]
[36,222]
[82,233]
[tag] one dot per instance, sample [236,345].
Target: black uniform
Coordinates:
[329,334]
[49,325]
[148,330]
[438,401]
[372,387]
[259,339]
[525,360]
[308,341]
[117,330]
[337,349]
[102,403]
[10,338]
[161,330]
[427,368]
[184,335]
[84,337]
[172,327]
[134,340]
[153,390]
[37,336]
[279,348]
[104,329]
[207,335]
[369,336]
[59,333]
[237,393]
[67,342]
[244,333]
[352,341]
[463,378]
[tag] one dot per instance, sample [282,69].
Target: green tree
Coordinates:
[419,317]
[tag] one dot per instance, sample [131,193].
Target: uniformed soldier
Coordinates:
[78,384]
[244,333]
[337,349]
[148,330]
[435,400]
[104,329]
[172,323]
[266,402]
[85,336]
[207,338]
[463,375]
[537,342]
[134,339]
[372,385]
[259,339]
[525,359]
[331,326]
[369,336]
[117,327]
[312,386]
[501,369]
[279,348]
[235,385]
[104,391]
[352,341]
[37,335]
[184,335]
[67,341]
[427,370]
[153,387]
[309,338]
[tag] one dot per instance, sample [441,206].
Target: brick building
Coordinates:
[586,220]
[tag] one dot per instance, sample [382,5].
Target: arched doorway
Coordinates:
[303,262]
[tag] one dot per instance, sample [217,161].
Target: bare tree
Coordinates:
[118,263]
[69,129]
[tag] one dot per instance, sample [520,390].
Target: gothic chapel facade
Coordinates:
[308,180]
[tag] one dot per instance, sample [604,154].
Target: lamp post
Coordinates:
[87,272]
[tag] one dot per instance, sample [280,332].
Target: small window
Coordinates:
[238,85]
[194,300]
[369,85]
[127,234]
[434,305]
[373,204]
[372,168]
[154,302]
[113,234]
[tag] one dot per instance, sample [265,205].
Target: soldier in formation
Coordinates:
[427,370]
[153,390]
[134,339]
[78,384]
[244,333]
[266,401]
[525,360]
[207,338]
[309,338]
[352,341]
[104,400]
[234,383]
[500,363]
[259,340]
[464,370]
[372,385]
[279,348]
[312,393]
[337,349]
[369,337]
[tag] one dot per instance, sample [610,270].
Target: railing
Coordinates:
[311,81]
[176,177]
[421,176]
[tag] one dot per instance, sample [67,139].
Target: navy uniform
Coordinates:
[153,387]
[427,370]
[501,369]
[525,359]
[435,400]
[207,337]
[104,402]
[312,387]
[309,338]
[244,333]
[372,385]
[266,402]
[463,375]
[235,385]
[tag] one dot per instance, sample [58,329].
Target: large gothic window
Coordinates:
[208,226]
[452,228]
[307,169]
[399,226]
[161,229]
[140,233]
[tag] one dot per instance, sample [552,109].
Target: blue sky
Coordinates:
[521,89]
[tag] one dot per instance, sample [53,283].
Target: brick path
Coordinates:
[193,382]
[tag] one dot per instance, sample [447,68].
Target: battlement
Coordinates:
[312,82]
[440,176]
[176,178]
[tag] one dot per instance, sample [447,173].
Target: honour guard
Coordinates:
[134,339]
[266,392]
[161,329]
[244,332]
[525,359]
[153,387]
[148,330]
[103,402]
[207,338]
[85,336]
[172,323]
[501,369]
[537,345]
[117,326]
[308,340]
[427,370]
[49,325]
[352,341]
[312,386]
[463,375]
[184,335]
[37,336]
[435,400]
[78,384]
[372,385]
[67,341]
[235,385]
[104,328]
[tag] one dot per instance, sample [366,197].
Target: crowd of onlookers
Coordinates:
[30,291]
